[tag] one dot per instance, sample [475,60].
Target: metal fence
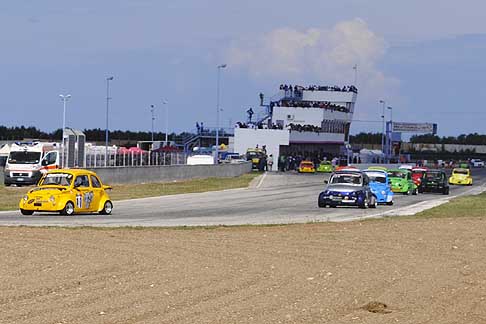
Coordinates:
[97,159]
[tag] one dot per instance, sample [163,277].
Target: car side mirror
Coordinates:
[44,163]
[105,187]
[326,181]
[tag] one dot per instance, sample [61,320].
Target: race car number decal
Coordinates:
[87,198]
[79,200]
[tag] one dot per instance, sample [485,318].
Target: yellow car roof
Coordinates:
[460,169]
[74,172]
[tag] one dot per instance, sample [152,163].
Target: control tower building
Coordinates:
[311,121]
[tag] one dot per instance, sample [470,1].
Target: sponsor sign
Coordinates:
[415,127]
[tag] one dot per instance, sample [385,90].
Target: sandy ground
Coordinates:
[424,271]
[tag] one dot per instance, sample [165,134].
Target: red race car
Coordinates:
[417,174]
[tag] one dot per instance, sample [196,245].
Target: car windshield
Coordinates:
[397,174]
[307,164]
[59,179]
[353,179]
[433,175]
[24,157]
[417,173]
[253,155]
[376,177]
[460,172]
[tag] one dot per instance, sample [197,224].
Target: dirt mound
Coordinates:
[376,307]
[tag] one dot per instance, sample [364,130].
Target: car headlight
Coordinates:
[26,198]
[383,192]
[52,199]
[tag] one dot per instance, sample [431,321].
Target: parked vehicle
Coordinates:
[233,158]
[200,159]
[347,188]
[435,181]
[307,167]
[68,192]
[325,167]
[28,161]
[477,163]
[255,155]
[380,186]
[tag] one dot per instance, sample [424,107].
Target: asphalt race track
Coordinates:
[279,198]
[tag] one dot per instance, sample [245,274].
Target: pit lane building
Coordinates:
[305,121]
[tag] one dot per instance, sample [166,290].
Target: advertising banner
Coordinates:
[415,127]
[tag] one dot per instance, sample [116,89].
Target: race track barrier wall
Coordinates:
[151,174]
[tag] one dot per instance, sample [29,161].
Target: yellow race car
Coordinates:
[68,192]
[307,167]
[461,176]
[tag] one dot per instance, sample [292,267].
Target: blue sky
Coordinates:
[426,59]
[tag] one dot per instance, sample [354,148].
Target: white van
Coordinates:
[27,161]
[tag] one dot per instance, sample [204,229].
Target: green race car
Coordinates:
[401,181]
[326,167]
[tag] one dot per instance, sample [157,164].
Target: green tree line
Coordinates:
[21,132]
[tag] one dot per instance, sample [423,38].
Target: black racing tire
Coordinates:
[389,203]
[445,191]
[26,212]
[408,192]
[321,204]
[373,202]
[107,208]
[8,184]
[415,192]
[68,209]
[364,205]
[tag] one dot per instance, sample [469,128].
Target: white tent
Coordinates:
[371,156]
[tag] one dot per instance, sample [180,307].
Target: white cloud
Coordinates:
[317,55]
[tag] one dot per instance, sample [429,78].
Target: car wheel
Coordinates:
[107,208]
[373,202]
[68,210]
[408,192]
[332,206]
[389,203]
[446,191]
[415,192]
[364,205]
[26,212]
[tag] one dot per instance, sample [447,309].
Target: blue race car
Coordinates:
[379,185]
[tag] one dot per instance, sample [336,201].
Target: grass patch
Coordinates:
[469,206]
[10,196]
[132,191]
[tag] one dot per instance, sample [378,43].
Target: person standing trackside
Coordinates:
[270,163]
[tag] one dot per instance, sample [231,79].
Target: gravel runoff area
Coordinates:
[381,271]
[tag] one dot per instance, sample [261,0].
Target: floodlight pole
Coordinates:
[383,127]
[222,66]
[107,105]
[64,99]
